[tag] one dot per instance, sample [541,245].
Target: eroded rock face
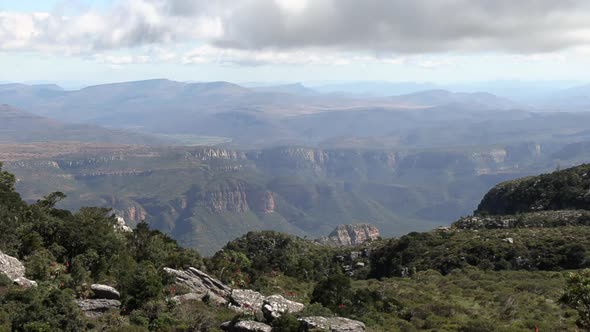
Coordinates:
[246,326]
[351,235]
[202,285]
[332,324]
[275,306]
[96,307]
[14,270]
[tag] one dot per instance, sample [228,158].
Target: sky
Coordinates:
[294,40]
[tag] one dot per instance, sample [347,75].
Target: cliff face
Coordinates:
[237,198]
[351,235]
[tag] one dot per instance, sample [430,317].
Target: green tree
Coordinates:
[577,296]
[333,292]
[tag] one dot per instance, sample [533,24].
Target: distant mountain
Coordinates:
[295,89]
[476,100]
[576,98]
[373,88]
[248,118]
[17,126]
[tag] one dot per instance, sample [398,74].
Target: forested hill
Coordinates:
[560,190]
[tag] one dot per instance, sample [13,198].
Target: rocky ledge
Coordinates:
[351,235]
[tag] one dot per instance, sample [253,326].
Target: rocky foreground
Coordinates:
[264,309]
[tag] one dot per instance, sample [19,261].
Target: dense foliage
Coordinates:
[560,190]
[66,252]
[549,249]
[245,259]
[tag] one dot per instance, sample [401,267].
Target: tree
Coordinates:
[333,292]
[577,296]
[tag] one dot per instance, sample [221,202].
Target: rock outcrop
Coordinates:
[201,285]
[245,326]
[14,270]
[121,225]
[103,299]
[246,300]
[105,292]
[94,308]
[351,235]
[332,324]
[275,306]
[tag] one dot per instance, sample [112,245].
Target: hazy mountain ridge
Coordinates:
[17,126]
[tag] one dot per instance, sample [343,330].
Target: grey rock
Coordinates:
[351,235]
[96,307]
[202,284]
[105,292]
[332,324]
[246,300]
[121,225]
[14,270]
[245,326]
[275,306]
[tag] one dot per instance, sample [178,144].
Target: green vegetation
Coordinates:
[550,249]
[65,252]
[460,280]
[560,190]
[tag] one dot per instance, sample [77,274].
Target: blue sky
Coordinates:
[293,40]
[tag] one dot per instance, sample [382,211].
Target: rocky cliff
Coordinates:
[351,235]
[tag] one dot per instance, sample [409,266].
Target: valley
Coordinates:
[206,196]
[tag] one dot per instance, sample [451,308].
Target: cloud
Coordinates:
[417,26]
[129,23]
[253,32]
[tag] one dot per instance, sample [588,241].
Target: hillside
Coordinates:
[17,126]
[560,190]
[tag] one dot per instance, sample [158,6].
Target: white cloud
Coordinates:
[334,32]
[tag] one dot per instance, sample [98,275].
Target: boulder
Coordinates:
[93,308]
[105,292]
[246,300]
[332,324]
[14,270]
[245,326]
[275,306]
[202,285]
